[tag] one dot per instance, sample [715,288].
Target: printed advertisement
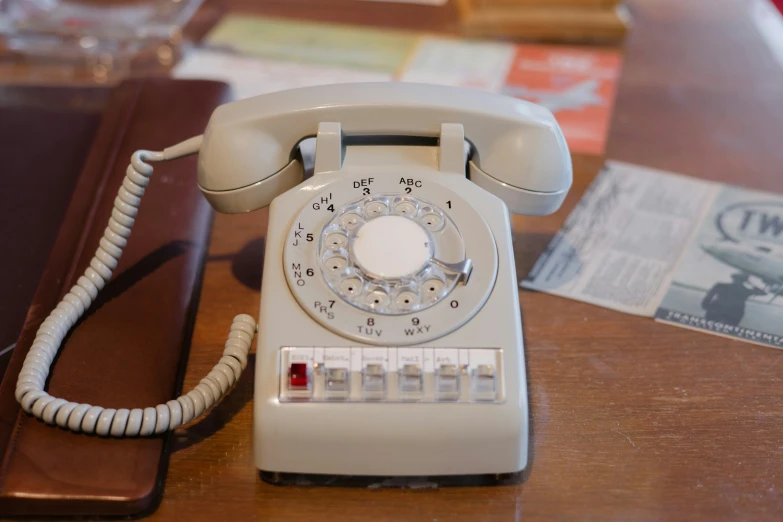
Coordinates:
[730,279]
[577,85]
[619,247]
[688,252]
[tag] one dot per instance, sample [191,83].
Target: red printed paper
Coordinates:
[577,84]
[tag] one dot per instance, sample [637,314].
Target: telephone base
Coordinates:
[380,355]
[405,482]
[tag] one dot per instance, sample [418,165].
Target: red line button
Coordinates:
[297,375]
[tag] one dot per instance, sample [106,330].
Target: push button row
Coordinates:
[343,377]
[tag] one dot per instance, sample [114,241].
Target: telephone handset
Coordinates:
[390,337]
[517,150]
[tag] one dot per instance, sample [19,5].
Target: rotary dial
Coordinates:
[380,253]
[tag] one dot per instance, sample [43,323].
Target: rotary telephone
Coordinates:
[390,340]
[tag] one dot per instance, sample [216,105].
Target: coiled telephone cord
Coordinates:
[123,422]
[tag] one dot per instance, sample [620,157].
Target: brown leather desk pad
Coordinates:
[130,348]
[45,134]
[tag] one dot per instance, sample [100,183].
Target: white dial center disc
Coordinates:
[391,247]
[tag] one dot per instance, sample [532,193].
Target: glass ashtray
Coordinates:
[91,31]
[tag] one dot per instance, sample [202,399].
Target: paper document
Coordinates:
[317,43]
[729,279]
[425,2]
[251,77]
[461,63]
[577,84]
[692,253]
[619,247]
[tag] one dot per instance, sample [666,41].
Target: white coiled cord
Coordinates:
[123,422]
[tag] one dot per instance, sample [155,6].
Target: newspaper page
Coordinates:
[730,278]
[619,247]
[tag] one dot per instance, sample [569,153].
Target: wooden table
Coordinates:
[631,420]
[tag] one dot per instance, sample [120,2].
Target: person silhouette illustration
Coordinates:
[725,302]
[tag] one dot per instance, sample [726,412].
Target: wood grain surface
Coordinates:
[631,419]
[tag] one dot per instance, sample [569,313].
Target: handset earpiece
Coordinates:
[518,200]
[257,195]
[528,167]
[259,190]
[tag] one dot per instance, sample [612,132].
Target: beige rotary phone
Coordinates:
[390,341]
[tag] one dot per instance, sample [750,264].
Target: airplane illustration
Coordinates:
[577,97]
[762,260]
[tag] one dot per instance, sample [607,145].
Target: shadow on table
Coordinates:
[221,413]
[247,265]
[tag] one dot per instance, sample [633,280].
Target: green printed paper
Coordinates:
[313,42]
